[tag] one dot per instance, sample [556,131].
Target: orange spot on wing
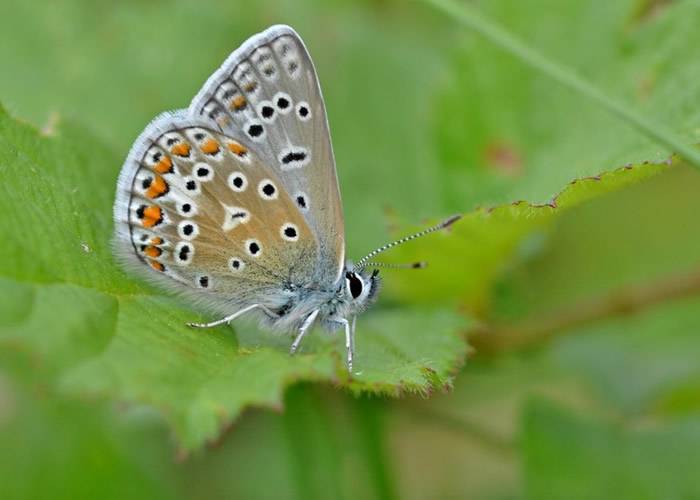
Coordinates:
[181,149]
[210,147]
[237,149]
[153,252]
[157,241]
[152,216]
[157,188]
[164,166]
[238,103]
[153,212]
[157,265]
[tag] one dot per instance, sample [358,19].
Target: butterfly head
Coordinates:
[361,287]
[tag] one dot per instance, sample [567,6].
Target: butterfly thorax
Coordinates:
[349,296]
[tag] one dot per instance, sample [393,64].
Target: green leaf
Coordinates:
[482,245]
[567,456]
[505,130]
[46,439]
[427,120]
[635,238]
[138,349]
[99,333]
[472,19]
[617,277]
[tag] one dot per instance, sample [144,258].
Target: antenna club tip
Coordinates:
[450,221]
[419,265]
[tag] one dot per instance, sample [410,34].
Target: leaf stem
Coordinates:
[496,339]
[472,19]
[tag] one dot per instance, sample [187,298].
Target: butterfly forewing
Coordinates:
[267,94]
[199,207]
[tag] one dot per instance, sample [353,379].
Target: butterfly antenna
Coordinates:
[386,265]
[364,261]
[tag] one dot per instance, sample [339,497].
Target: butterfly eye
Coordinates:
[238,182]
[353,284]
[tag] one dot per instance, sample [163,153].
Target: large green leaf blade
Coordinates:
[481,246]
[105,335]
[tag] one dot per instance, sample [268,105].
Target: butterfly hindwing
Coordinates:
[201,209]
[267,94]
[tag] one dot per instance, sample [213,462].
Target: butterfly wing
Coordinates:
[207,215]
[267,94]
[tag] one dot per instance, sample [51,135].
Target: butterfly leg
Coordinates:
[349,338]
[352,335]
[227,319]
[302,331]
[349,341]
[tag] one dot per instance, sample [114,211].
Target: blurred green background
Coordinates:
[584,379]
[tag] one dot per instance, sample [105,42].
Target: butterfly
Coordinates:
[234,202]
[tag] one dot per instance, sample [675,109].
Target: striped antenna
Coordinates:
[386,265]
[363,262]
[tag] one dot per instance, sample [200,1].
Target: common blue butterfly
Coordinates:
[234,201]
